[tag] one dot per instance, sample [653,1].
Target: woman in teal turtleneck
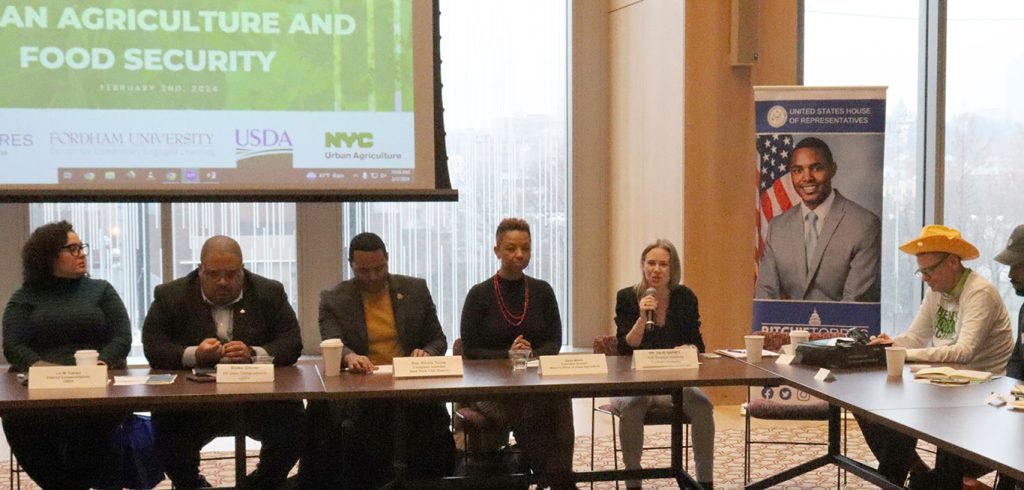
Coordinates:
[59,310]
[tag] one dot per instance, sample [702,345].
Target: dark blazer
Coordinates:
[179,318]
[342,316]
[1015,366]
[682,321]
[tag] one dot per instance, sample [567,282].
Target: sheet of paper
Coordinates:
[742,353]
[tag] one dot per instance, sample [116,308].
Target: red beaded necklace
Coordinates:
[512,319]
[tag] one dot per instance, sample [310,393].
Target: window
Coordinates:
[889,60]
[506,120]
[983,125]
[124,249]
[265,231]
[985,130]
[124,241]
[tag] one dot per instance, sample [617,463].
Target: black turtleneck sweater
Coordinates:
[49,323]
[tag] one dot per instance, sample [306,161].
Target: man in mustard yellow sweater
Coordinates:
[378,316]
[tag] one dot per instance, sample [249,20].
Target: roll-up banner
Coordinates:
[819,198]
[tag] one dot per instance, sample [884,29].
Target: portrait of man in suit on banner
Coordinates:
[819,244]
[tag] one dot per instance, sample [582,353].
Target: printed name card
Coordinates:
[426,367]
[59,377]
[785,359]
[682,358]
[573,364]
[245,373]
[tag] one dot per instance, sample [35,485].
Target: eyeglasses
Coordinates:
[217,275]
[927,271]
[77,249]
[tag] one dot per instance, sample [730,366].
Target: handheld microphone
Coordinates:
[650,314]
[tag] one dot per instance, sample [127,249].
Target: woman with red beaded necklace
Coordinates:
[514,311]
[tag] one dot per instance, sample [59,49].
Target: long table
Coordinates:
[297,382]
[954,418]
[482,380]
[496,379]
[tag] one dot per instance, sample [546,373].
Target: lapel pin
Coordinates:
[399,296]
[242,311]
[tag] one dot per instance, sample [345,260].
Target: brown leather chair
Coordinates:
[608,345]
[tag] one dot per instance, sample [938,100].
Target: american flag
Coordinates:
[775,190]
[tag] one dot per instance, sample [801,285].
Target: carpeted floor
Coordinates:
[728,459]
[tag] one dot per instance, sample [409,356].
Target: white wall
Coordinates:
[646,128]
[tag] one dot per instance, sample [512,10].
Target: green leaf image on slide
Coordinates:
[306,55]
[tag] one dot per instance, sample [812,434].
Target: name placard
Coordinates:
[245,373]
[60,377]
[427,367]
[649,359]
[573,364]
[785,359]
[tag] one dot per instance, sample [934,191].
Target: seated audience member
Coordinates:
[961,320]
[57,311]
[512,310]
[222,312]
[1013,256]
[378,316]
[676,323]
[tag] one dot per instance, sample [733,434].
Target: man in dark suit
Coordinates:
[378,316]
[223,313]
[827,247]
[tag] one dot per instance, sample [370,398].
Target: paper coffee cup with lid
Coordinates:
[330,350]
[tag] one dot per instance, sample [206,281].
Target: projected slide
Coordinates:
[251,94]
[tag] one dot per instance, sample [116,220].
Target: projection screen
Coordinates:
[252,99]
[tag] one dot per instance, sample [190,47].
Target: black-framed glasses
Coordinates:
[76,249]
[927,271]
